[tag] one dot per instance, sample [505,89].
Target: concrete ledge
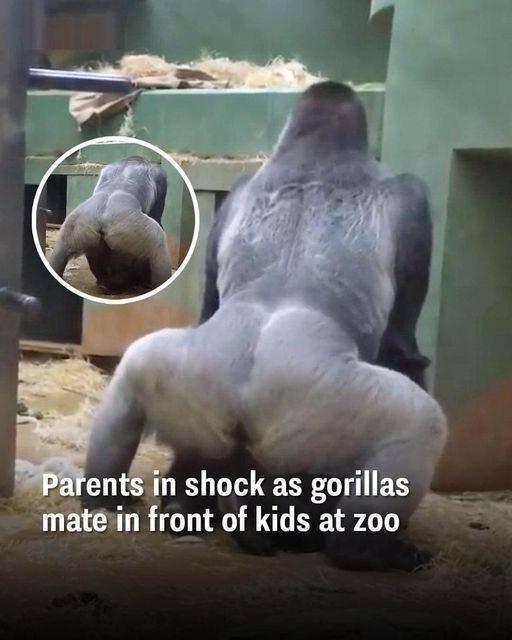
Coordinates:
[226,122]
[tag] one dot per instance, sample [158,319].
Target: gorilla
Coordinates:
[118,228]
[305,362]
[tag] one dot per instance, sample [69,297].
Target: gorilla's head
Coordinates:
[331,111]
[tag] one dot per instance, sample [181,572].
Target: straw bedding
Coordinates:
[464,592]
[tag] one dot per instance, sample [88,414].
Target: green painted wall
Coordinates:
[475,337]
[449,88]
[205,123]
[331,37]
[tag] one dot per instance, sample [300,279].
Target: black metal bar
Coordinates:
[13,90]
[79,81]
[19,303]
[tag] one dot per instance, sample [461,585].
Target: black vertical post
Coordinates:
[14,16]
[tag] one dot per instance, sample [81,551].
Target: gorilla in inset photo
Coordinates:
[306,361]
[118,228]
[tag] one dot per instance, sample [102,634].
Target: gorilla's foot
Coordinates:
[374,552]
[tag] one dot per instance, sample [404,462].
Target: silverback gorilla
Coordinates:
[118,228]
[317,269]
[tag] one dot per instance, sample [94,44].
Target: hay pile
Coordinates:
[212,72]
[209,72]
[43,379]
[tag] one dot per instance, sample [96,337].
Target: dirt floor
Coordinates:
[78,274]
[118,585]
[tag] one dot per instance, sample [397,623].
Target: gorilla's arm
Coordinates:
[78,233]
[211,293]
[399,348]
[160,179]
[65,246]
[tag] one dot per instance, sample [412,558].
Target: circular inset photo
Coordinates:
[128,224]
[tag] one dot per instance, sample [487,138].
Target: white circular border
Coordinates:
[116,140]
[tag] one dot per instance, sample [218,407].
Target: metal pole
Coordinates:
[79,81]
[13,87]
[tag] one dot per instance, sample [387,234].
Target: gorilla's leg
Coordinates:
[98,259]
[170,383]
[135,234]
[412,455]
[320,411]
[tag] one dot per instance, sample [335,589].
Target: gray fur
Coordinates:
[306,283]
[118,228]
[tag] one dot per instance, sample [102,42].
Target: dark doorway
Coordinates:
[61,320]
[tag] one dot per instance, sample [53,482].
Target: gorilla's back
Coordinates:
[135,176]
[318,235]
